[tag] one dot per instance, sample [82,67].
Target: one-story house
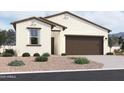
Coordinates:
[62,33]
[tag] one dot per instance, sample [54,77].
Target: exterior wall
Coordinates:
[56,36]
[75,26]
[57,40]
[22,37]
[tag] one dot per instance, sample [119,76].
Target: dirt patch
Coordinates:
[53,63]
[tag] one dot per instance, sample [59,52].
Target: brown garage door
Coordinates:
[84,45]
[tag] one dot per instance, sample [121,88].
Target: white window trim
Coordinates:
[38,36]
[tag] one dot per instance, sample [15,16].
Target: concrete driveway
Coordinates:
[110,62]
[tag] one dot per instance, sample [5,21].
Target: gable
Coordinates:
[23,27]
[32,23]
[64,15]
[52,24]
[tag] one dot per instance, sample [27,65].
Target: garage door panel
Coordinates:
[84,45]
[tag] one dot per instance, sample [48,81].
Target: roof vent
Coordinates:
[66,17]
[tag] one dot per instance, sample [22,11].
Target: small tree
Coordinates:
[10,37]
[7,38]
[120,40]
[110,43]
[122,47]
[3,38]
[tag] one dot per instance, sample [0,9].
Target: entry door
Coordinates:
[52,45]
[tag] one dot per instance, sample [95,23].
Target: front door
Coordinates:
[52,45]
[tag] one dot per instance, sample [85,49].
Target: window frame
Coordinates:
[31,36]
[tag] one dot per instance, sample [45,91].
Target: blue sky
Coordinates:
[113,20]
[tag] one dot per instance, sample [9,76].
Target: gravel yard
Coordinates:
[54,63]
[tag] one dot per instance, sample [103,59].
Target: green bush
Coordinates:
[118,52]
[16,63]
[26,54]
[11,51]
[109,53]
[0,53]
[63,54]
[46,54]
[81,61]
[41,59]
[36,55]
[6,54]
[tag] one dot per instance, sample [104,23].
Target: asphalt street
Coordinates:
[101,75]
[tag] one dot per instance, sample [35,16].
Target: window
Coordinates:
[34,36]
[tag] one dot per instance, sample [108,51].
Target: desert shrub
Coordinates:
[36,55]
[16,63]
[81,61]
[122,51]
[41,59]
[26,54]
[46,54]
[6,54]
[109,53]
[11,51]
[63,54]
[118,52]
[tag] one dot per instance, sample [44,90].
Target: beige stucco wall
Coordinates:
[75,26]
[56,36]
[22,37]
[57,40]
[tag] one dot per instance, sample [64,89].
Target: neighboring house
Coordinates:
[62,33]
